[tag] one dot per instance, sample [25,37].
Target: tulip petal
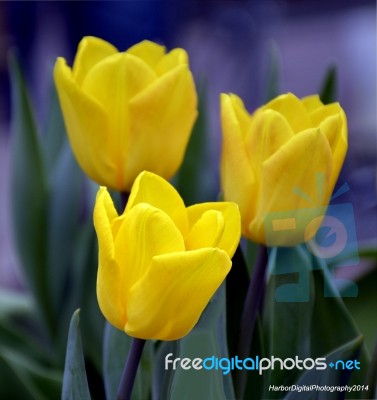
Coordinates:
[288,183]
[156,191]
[162,117]
[87,127]
[103,215]
[151,53]
[232,223]
[237,177]
[268,132]
[241,114]
[90,51]
[169,299]
[292,109]
[146,232]
[109,274]
[207,231]
[333,122]
[171,60]
[113,82]
[312,102]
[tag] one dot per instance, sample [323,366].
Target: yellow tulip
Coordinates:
[160,262]
[126,112]
[280,164]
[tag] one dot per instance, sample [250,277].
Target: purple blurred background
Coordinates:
[230,45]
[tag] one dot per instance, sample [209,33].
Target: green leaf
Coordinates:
[195,181]
[23,378]
[14,335]
[304,314]
[368,252]
[29,195]
[372,375]
[54,134]
[14,303]
[64,208]
[328,90]
[92,321]
[360,308]
[17,315]
[273,71]
[75,384]
[207,339]
[237,282]
[335,326]
[162,378]
[288,310]
[116,347]
[328,376]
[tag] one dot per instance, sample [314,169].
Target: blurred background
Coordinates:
[234,46]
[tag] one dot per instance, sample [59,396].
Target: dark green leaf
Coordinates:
[29,195]
[14,303]
[363,307]
[328,90]
[64,210]
[92,321]
[195,181]
[273,71]
[22,378]
[329,376]
[335,325]
[372,375]
[54,134]
[288,310]
[17,315]
[162,378]
[207,339]
[75,384]
[237,282]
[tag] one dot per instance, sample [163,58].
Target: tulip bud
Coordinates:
[160,262]
[284,159]
[127,112]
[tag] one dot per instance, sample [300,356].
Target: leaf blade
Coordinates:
[75,384]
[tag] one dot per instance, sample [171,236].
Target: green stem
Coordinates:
[130,369]
[249,315]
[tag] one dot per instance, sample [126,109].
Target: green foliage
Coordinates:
[29,195]
[302,315]
[328,91]
[116,346]
[328,377]
[205,340]
[273,71]
[288,310]
[52,206]
[305,316]
[75,384]
[195,180]
[23,378]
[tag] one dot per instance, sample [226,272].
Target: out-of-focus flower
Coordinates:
[160,262]
[280,164]
[126,112]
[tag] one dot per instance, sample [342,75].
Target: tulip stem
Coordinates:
[249,315]
[130,369]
